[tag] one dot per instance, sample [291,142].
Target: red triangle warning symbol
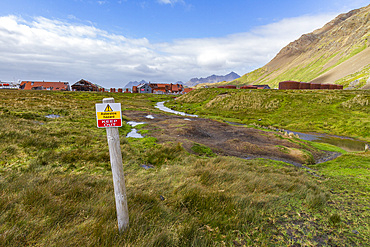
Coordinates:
[108,108]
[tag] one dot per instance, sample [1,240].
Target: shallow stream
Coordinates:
[160,106]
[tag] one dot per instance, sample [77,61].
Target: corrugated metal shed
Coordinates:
[305,85]
[289,85]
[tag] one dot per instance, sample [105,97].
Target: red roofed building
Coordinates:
[83,85]
[162,88]
[248,87]
[43,85]
[262,86]
[158,88]
[176,88]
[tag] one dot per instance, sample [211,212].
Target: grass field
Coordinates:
[56,186]
[337,112]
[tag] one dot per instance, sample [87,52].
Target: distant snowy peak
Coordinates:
[212,79]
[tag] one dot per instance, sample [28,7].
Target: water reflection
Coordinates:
[160,106]
[133,132]
[133,124]
[345,143]
[53,116]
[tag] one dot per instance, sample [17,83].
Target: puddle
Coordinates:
[233,123]
[345,143]
[146,167]
[133,132]
[133,124]
[160,106]
[53,116]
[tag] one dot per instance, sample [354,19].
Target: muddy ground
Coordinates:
[226,139]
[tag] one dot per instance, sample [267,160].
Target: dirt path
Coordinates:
[224,139]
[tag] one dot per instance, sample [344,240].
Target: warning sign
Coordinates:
[108,108]
[108,115]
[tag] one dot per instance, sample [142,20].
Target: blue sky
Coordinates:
[112,42]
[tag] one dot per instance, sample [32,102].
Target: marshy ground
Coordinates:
[227,139]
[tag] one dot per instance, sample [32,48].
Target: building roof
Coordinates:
[159,85]
[177,87]
[43,85]
[143,85]
[83,85]
[262,86]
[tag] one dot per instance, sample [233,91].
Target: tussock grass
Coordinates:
[56,186]
[337,112]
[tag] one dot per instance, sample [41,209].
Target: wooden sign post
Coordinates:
[110,116]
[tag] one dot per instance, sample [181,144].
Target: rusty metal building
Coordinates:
[289,85]
[83,85]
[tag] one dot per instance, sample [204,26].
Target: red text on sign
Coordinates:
[109,123]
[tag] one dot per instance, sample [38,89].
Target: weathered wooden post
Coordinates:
[111,119]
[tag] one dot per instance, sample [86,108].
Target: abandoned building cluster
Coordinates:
[84,85]
[155,88]
[160,88]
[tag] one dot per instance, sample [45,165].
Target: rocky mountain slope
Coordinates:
[212,79]
[339,53]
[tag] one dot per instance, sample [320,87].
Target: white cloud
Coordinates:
[44,49]
[172,2]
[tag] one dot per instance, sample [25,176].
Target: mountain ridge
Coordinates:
[134,83]
[346,38]
[212,79]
